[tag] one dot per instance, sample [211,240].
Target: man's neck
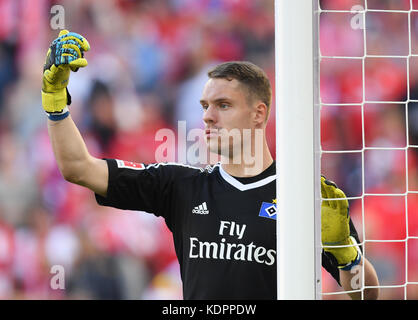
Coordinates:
[261,163]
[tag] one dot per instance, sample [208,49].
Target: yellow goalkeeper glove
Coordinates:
[335,228]
[65,53]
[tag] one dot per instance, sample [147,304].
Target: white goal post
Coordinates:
[298,150]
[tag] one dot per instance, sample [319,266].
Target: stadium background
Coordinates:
[147,67]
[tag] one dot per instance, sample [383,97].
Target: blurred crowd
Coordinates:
[147,67]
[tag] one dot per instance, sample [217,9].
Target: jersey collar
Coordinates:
[241,186]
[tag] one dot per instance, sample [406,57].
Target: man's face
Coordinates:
[226,112]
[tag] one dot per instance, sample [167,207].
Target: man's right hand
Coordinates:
[65,53]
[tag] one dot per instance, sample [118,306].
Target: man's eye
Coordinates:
[224,106]
[204,107]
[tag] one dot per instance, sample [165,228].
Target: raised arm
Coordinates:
[66,54]
[73,159]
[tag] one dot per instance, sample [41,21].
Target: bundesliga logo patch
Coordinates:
[268,210]
[129,165]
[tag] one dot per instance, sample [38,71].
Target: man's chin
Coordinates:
[213,146]
[217,149]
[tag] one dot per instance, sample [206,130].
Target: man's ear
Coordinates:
[260,114]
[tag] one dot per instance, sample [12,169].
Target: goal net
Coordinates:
[362,97]
[369,126]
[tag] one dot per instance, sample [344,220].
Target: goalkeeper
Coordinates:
[222,218]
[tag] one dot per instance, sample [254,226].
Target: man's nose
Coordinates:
[209,115]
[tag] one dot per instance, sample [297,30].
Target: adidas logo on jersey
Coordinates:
[201,209]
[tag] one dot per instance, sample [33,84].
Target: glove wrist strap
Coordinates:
[356,261]
[56,116]
[350,265]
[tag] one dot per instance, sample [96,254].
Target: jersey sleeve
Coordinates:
[329,262]
[135,186]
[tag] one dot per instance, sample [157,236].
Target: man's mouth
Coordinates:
[211,133]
